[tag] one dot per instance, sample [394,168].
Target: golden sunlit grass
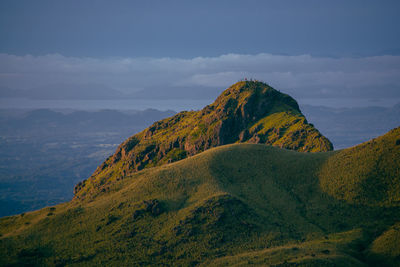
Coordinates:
[236,204]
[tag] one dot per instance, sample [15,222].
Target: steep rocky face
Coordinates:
[248,111]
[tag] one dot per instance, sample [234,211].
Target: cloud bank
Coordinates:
[302,76]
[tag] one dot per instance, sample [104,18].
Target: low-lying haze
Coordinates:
[346,81]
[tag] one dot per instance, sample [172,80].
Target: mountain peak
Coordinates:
[248,111]
[256,97]
[242,89]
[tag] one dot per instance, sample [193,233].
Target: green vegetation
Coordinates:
[332,250]
[386,247]
[367,174]
[238,204]
[247,112]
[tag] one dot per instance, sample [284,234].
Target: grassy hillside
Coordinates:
[367,174]
[246,112]
[243,204]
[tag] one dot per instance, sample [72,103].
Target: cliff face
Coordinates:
[248,111]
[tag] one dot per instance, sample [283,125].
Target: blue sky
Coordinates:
[311,48]
[199,28]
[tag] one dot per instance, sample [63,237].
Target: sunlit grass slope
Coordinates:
[243,204]
[367,174]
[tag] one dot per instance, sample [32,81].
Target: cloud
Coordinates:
[302,76]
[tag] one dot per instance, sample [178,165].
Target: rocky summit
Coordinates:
[246,112]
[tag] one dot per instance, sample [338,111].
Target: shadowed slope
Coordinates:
[242,203]
[250,112]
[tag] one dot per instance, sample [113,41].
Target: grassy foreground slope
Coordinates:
[243,204]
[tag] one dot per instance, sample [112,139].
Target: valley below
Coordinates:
[44,153]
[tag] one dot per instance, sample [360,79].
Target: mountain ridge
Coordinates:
[246,112]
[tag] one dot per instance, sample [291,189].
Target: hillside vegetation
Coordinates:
[367,174]
[246,112]
[238,204]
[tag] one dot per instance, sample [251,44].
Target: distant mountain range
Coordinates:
[232,184]
[86,120]
[347,127]
[91,91]
[64,91]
